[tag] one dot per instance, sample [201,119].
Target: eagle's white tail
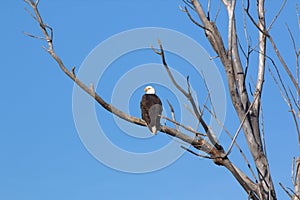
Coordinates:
[153,130]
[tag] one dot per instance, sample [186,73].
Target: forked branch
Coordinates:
[190,98]
[278,54]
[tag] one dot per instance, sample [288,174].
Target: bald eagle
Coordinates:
[151,108]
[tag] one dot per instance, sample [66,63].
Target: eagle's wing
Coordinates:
[155,113]
[144,109]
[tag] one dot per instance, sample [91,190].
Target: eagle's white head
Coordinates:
[149,90]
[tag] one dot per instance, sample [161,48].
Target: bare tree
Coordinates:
[246,103]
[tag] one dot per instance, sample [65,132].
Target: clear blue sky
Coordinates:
[42,156]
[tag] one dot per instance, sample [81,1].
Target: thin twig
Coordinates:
[241,125]
[30,13]
[294,99]
[34,36]
[292,38]
[255,24]
[189,4]
[204,104]
[183,126]
[189,109]
[217,13]
[208,10]
[286,191]
[173,115]
[208,92]
[192,19]
[277,15]
[297,54]
[278,86]
[194,153]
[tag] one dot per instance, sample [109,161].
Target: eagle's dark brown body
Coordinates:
[151,108]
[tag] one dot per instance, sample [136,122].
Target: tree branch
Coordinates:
[92,93]
[286,68]
[198,142]
[190,98]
